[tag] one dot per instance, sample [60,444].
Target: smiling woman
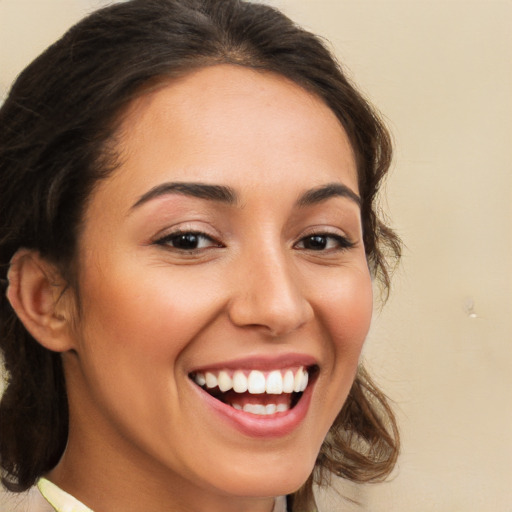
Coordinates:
[188,234]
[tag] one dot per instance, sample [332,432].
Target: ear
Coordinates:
[37,294]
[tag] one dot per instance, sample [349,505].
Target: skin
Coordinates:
[140,436]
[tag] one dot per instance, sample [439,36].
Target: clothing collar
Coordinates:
[60,500]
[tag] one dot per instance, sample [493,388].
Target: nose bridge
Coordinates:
[268,293]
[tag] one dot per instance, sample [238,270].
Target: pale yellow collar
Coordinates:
[61,501]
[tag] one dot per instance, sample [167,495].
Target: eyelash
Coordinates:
[342,243]
[168,240]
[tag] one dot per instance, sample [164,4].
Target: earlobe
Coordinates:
[36,294]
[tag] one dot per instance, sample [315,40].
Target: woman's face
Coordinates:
[226,250]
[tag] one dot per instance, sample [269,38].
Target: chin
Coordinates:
[265,480]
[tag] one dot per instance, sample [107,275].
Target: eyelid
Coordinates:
[193,225]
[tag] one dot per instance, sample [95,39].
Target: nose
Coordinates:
[267,295]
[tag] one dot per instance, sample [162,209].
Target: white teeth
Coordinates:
[288,382]
[262,410]
[270,408]
[224,382]
[301,380]
[256,383]
[199,379]
[239,382]
[211,380]
[274,385]
[255,409]
[297,381]
[305,380]
[238,407]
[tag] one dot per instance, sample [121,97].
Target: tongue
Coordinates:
[242,399]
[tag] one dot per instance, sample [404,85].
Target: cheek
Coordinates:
[151,317]
[348,311]
[134,331]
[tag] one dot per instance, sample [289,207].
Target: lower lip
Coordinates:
[252,425]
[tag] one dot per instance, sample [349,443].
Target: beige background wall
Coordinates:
[441,73]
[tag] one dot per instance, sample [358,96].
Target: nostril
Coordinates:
[276,318]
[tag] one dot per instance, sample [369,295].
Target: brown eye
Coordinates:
[188,241]
[323,242]
[315,242]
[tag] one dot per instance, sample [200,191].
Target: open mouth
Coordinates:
[257,392]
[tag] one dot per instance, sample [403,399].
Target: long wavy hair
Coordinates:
[57,134]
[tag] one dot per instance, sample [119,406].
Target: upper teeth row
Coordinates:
[257,382]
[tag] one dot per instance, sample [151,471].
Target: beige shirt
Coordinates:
[61,501]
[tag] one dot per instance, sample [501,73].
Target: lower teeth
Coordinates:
[240,401]
[261,410]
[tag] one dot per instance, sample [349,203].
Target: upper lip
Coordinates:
[262,362]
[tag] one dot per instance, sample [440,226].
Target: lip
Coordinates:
[272,426]
[264,363]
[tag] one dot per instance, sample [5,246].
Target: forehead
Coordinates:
[230,123]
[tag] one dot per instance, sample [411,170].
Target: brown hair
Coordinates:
[57,127]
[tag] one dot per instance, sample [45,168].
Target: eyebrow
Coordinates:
[218,193]
[325,192]
[227,195]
